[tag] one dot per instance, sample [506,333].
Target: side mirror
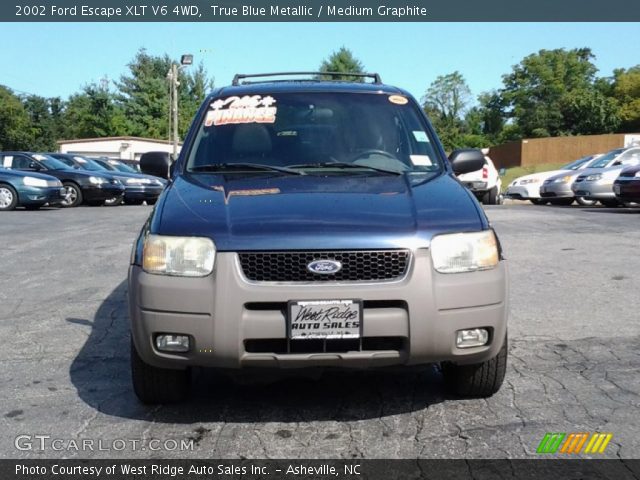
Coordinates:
[35,166]
[466,160]
[156,164]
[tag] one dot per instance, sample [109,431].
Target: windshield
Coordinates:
[123,167]
[311,131]
[50,163]
[105,164]
[88,164]
[603,161]
[576,163]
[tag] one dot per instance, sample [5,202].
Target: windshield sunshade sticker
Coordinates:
[247,109]
[420,136]
[398,99]
[421,160]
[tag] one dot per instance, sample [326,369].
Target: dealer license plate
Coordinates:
[325,319]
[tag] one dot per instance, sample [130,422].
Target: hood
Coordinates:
[540,176]
[124,176]
[610,172]
[316,212]
[75,173]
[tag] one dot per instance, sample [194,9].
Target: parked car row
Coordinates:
[608,178]
[33,180]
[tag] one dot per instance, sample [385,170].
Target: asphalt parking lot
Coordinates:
[574,357]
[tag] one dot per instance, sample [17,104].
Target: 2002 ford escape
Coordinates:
[315,223]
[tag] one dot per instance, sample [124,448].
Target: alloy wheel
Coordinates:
[70,196]
[6,197]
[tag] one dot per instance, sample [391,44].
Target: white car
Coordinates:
[527,187]
[485,183]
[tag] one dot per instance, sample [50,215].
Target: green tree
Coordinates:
[144,95]
[538,91]
[342,61]
[194,86]
[626,90]
[491,110]
[93,113]
[15,125]
[445,102]
[44,119]
[589,112]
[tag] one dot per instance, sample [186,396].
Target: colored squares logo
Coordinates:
[573,443]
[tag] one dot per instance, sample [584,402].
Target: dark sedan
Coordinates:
[29,190]
[88,187]
[627,185]
[82,163]
[140,187]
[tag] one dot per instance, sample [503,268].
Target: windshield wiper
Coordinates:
[230,167]
[345,166]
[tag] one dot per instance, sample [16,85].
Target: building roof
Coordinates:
[110,139]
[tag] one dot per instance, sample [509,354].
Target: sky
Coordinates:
[57,59]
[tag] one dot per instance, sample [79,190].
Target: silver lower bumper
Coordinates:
[224,311]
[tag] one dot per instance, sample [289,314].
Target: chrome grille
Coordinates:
[357,265]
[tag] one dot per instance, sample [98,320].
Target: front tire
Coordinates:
[478,379]
[585,203]
[153,385]
[73,196]
[610,203]
[538,201]
[8,198]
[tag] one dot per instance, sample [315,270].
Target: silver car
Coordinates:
[598,184]
[558,187]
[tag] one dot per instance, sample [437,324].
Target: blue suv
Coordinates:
[315,223]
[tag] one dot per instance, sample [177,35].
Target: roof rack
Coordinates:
[241,76]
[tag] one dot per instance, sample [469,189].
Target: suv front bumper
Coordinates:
[224,312]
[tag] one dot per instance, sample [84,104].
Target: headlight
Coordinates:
[565,179]
[637,174]
[529,180]
[181,256]
[138,181]
[464,252]
[34,182]
[594,177]
[98,180]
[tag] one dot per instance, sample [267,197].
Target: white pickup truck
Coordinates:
[485,183]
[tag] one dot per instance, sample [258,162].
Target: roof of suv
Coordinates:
[287,86]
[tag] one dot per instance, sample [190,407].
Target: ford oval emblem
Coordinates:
[324,267]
